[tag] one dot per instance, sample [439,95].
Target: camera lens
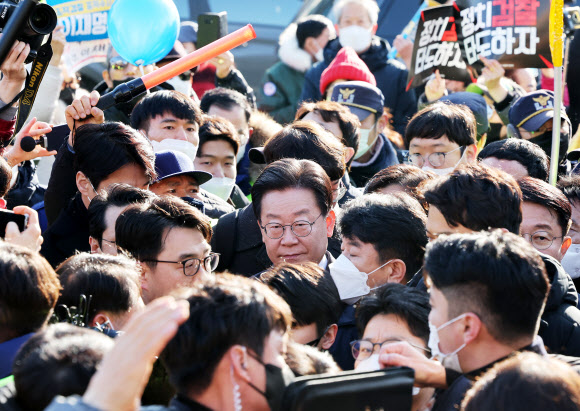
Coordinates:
[43,19]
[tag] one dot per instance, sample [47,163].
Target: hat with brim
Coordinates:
[362,99]
[170,163]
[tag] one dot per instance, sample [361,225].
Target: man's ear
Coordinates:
[330,221]
[472,327]
[471,154]
[84,185]
[374,29]
[101,319]
[107,78]
[329,336]
[348,154]
[95,246]
[3,204]
[263,232]
[565,245]
[398,271]
[239,361]
[336,29]
[309,46]
[144,276]
[383,123]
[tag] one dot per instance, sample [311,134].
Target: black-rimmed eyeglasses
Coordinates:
[191,265]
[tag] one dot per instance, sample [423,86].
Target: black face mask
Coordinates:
[277,379]
[545,142]
[67,95]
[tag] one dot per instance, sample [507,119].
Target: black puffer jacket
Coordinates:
[391,77]
[560,326]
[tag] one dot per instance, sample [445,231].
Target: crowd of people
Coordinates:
[205,244]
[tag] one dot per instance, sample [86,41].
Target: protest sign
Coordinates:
[436,47]
[514,32]
[85,27]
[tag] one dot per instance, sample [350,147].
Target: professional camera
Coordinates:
[571,19]
[27,21]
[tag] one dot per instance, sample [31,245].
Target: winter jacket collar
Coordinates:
[562,290]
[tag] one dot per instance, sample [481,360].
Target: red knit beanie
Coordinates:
[348,66]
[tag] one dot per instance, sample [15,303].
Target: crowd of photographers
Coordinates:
[201,246]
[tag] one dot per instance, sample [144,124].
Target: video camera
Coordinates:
[27,21]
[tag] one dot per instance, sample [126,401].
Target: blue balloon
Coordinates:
[143,31]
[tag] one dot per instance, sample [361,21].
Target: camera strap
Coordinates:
[33,79]
[27,96]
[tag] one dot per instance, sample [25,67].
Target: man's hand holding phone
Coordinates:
[31,236]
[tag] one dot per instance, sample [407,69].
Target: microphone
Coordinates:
[29,143]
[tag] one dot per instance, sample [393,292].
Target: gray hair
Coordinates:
[370,5]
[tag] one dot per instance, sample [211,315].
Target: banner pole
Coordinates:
[556,44]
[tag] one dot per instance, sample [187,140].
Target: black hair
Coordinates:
[439,119]
[290,173]
[116,195]
[311,26]
[59,360]
[162,103]
[29,288]
[226,311]
[541,193]
[496,275]
[5,177]
[570,186]
[408,177]
[309,291]
[111,281]
[526,381]
[102,149]
[331,111]
[394,224]
[406,303]
[306,140]
[529,155]
[141,229]
[477,197]
[225,99]
[217,128]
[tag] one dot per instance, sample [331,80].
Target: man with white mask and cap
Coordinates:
[356,27]
[440,137]
[375,151]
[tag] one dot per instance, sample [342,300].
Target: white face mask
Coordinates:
[356,37]
[443,171]
[182,146]
[372,364]
[363,145]
[571,261]
[319,56]
[450,360]
[349,281]
[241,152]
[220,186]
[183,86]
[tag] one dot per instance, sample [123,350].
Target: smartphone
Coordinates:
[6,216]
[211,26]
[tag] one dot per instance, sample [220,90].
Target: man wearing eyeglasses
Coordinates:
[440,137]
[170,239]
[547,216]
[395,313]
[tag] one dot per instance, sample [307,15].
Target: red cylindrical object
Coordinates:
[199,56]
